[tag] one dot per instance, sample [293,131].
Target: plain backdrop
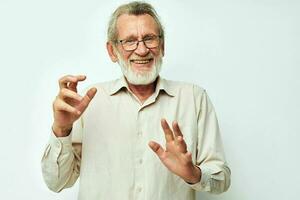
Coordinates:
[245,53]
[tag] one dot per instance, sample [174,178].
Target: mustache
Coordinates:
[135,57]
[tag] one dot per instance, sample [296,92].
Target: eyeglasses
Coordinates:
[149,41]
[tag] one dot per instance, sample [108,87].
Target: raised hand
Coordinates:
[68,105]
[176,157]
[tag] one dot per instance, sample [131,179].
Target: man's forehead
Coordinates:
[135,25]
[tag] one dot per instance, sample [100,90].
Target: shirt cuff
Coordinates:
[59,145]
[207,174]
[201,185]
[55,148]
[63,140]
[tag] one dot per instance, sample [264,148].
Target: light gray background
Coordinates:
[244,52]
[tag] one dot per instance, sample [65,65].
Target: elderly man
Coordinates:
[140,136]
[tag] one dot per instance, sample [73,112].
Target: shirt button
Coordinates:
[58,144]
[141,161]
[139,189]
[139,133]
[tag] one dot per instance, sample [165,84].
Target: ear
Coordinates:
[111,52]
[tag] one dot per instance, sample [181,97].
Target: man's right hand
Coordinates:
[68,106]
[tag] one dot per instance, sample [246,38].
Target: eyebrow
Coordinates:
[134,37]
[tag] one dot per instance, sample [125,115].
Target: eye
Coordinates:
[129,42]
[149,38]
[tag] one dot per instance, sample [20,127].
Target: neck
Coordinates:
[142,92]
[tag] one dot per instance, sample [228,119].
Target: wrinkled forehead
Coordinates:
[136,26]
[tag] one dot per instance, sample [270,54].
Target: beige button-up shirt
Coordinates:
[108,145]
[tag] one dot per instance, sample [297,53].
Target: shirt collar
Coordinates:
[161,85]
[117,85]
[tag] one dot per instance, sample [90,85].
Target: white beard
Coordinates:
[140,78]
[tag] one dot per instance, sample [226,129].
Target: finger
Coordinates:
[181,144]
[87,98]
[156,148]
[66,93]
[73,86]
[64,81]
[168,132]
[91,93]
[176,129]
[60,105]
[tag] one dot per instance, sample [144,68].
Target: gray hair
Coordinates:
[133,8]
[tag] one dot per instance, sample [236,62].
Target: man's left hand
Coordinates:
[176,157]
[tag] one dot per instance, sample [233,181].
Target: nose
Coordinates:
[141,49]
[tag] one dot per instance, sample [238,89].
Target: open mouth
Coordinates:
[141,61]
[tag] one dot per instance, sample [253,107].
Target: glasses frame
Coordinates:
[138,41]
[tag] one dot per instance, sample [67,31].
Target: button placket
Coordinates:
[139,152]
[140,133]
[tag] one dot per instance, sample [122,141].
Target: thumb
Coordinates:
[91,93]
[87,99]
[156,148]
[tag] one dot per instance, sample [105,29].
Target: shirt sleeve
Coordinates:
[210,157]
[61,160]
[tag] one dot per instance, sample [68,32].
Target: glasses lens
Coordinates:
[150,42]
[129,45]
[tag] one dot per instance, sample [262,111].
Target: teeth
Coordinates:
[141,61]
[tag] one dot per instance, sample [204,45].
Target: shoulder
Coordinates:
[188,94]
[182,87]
[106,87]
